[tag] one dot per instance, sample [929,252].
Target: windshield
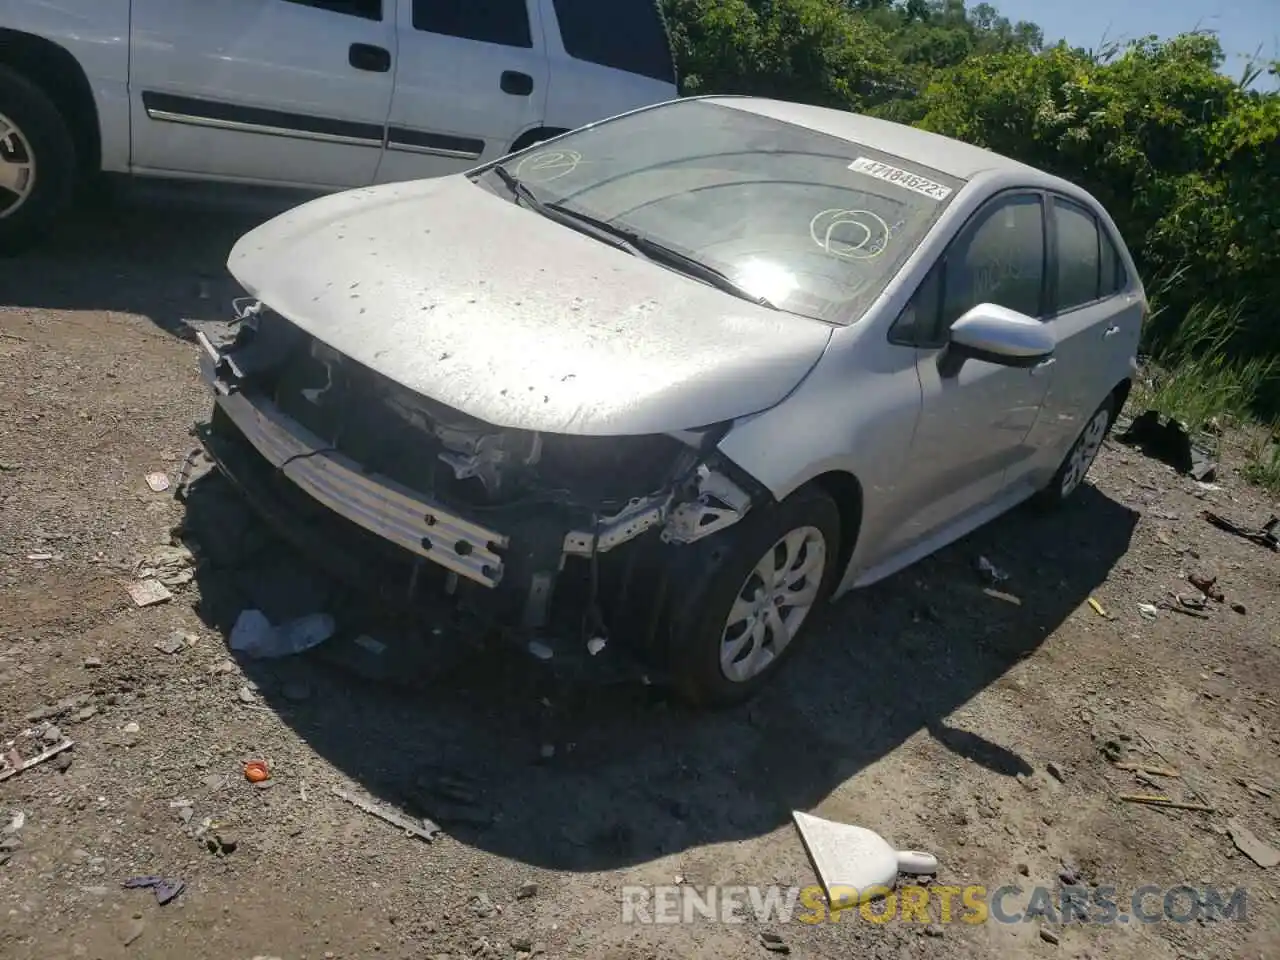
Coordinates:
[813,224]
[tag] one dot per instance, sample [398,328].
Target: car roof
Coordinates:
[949,156]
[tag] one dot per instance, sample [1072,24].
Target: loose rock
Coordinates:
[774,943]
[1048,936]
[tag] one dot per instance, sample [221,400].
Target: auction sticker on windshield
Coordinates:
[882,171]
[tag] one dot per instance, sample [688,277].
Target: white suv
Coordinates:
[318,94]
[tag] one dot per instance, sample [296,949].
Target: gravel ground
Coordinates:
[944,718]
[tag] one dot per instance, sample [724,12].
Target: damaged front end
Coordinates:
[543,534]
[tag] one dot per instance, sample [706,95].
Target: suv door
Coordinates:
[273,91]
[472,76]
[1096,316]
[974,421]
[606,59]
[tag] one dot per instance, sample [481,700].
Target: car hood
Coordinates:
[468,299]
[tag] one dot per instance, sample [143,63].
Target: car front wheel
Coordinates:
[748,597]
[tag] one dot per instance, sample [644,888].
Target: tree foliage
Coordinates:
[1186,159]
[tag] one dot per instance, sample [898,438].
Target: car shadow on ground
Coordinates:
[155,249]
[633,775]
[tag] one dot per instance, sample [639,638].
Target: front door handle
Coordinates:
[1111,331]
[1043,367]
[365,56]
[516,83]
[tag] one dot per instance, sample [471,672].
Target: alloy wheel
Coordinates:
[17,167]
[1085,451]
[774,601]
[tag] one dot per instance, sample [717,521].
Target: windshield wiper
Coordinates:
[557,213]
[630,240]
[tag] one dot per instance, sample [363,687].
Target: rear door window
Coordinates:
[1079,268]
[504,22]
[628,35]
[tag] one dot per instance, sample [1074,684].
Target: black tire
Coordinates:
[45,136]
[1054,495]
[713,573]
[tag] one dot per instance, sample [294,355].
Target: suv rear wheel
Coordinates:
[37,161]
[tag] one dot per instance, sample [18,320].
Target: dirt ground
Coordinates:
[944,718]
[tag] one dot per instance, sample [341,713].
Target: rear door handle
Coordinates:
[1043,366]
[1111,331]
[365,56]
[516,83]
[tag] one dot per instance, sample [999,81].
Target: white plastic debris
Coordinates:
[254,635]
[854,864]
[989,569]
[540,650]
[595,645]
[16,824]
[1148,611]
[158,481]
[147,593]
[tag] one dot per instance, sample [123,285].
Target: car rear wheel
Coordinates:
[750,596]
[1080,458]
[37,161]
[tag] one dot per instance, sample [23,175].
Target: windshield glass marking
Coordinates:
[759,204]
[882,171]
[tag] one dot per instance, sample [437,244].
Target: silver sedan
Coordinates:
[667,382]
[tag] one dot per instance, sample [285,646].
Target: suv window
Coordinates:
[367,9]
[1079,266]
[504,22]
[997,258]
[626,35]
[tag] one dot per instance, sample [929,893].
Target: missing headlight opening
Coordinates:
[525,526]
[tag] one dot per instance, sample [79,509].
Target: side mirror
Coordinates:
[1002,336]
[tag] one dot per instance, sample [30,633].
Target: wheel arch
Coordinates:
[60,76]
[846,490]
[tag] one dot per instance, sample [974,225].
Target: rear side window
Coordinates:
[1113,274]
[998,258]
[504,22]
[626,35]
[1079,255]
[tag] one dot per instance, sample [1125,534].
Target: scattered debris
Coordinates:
[423,829]
[1001,595]
[1169,442]
[1056,771]
[773,942]
[92,663]
[991,571]
[1158,801]
[170,565]
[158,481]
[1239,607]
[165,890]
[1206,584]
[12,769]
[595,645]
[147,593]
[1259,851]
[849,858]
[175,642]
[1148,611]
[256,771]
[245,693]
[1187,607]
[1147,768]
[540,650]
[1266,536]
[16,824]
[39,557]
[131,727]
[1097,608]
[1048,936]
[526,890]
[254,635]
[1256,788]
